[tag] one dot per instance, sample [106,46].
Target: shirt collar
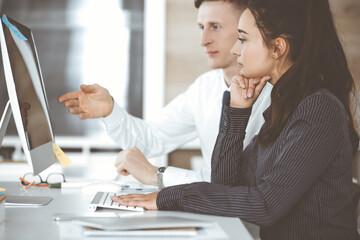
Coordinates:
[222,76]
[267,114]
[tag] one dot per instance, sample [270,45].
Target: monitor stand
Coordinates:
[5,121]
[18,200]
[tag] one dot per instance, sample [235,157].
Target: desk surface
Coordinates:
[37,222]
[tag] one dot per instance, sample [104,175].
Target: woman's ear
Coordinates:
[280,47]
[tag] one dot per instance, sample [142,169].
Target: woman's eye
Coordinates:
[242,40]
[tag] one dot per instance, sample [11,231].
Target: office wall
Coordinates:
[185,61]
[347,18]
[185,58]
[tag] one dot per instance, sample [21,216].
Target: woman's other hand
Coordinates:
[147,201]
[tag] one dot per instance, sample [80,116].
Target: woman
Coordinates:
[294,178]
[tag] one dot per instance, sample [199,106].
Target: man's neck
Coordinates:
[229,73]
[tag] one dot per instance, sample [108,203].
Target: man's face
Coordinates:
[218,24]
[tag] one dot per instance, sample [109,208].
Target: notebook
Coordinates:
[142,226]
[168,233]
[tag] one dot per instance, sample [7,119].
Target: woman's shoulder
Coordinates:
[321,106]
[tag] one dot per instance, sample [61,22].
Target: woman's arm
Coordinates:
[312,141]
[228,165]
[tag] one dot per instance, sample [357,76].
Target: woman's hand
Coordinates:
[147,201]
[244,91]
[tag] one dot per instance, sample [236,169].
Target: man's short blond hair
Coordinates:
[242,4]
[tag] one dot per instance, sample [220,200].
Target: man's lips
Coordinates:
[211,53]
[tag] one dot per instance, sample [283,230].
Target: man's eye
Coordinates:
[215,27]
[201,27]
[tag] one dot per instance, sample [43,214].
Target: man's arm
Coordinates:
[173,127]
[133,162]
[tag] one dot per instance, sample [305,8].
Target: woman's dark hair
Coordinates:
[315,49]
[240,3]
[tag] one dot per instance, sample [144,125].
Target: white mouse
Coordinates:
[95,187]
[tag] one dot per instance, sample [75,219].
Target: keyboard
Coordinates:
[103,200]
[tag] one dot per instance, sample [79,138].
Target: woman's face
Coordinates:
[253,56]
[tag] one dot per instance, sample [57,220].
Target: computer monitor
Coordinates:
[27,96]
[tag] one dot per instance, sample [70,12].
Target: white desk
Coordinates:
[37,222]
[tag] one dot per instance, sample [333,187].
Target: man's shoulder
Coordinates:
[208,84]
[211,75]
[215,77]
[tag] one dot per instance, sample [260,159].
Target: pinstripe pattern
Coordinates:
[297,188]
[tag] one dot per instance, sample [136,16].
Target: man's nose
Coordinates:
[205,37]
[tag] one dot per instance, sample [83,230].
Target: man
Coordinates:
[193,114]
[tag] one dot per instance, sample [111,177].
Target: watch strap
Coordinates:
[160,177]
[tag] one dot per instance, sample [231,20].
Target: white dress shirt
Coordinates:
[193,114]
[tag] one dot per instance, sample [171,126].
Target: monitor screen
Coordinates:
[27,93]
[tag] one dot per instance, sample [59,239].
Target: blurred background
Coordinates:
[84,41]
[81,41]
[145,52]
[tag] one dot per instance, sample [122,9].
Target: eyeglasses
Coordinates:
[30,179]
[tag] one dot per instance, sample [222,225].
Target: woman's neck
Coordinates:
[280,70]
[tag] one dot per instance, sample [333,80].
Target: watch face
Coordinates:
[161,169]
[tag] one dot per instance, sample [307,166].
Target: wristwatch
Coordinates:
[160,174]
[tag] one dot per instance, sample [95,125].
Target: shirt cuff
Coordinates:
[174,176]
[170,198]
[236,119]
[113,119]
